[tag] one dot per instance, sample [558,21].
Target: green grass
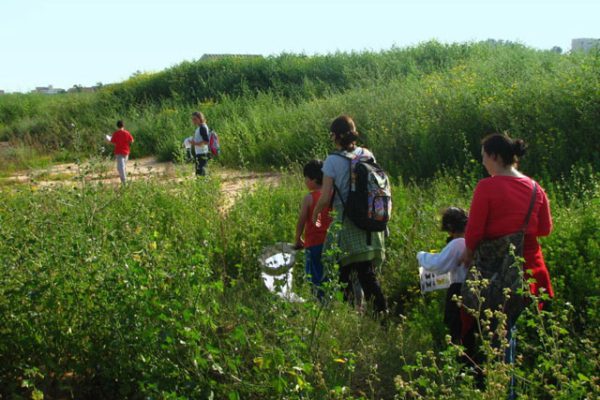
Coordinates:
[148,292]
[421,109]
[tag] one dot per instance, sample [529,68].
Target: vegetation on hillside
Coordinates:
[421,109]
[149,292]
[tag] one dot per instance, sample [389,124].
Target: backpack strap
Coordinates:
[336,190]
[350,158]
[531,204]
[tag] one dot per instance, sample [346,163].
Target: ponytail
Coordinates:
[519,147]
[344,129]
[510,150]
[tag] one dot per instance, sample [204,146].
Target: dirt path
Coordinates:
[233,182]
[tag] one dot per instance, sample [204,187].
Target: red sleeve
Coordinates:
[544,217]
[478,215]
[129,137]
[113,138]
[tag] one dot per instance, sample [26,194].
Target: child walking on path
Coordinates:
[200,142]
[454,221]
[314,233]
[122,140]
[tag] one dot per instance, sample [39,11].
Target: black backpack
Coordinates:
[369,203]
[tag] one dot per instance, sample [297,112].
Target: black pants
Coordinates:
[472,344]
[201,162]
[189,155]
[368,280]
[452,313]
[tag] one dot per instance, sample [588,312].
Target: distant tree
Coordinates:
[557,49]
[99,84]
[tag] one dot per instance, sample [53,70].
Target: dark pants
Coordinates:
[314,268]
[189,155]
[368,280]
[201,162]
[452,313]
[472,345]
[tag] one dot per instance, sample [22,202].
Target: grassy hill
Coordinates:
[150,292]
[420,109]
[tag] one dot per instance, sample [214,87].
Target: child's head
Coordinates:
[454,220]
[120,124]
[313,174]
[198,118]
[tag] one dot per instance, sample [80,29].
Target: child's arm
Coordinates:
[440,263]
[302,220]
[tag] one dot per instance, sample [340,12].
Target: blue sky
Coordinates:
[67,42]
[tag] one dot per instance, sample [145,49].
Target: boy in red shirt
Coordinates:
[122,140]
[314,233]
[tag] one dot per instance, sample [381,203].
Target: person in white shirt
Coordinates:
[200,142]
[454,221]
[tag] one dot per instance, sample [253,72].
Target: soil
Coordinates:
[233,182]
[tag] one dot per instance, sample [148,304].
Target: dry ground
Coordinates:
[233,182]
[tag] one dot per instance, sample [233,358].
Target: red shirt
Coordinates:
[499,208]
[122,140]
[315,235]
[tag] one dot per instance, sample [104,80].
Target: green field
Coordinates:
[151,292]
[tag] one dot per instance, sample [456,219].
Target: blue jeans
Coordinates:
[122,166]
[314,267]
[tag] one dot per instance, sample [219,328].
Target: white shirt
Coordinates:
[446,261]
[198,138]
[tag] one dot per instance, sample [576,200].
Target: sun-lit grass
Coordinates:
[153,291]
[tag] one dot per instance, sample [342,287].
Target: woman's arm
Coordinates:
[325,199]
[544,218]
[467,258]
[302,220]
[478,216]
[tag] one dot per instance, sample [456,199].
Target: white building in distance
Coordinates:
[585,44]
[210,57]
[48,90]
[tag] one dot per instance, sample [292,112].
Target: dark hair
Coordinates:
[314,170]
[510,150]
[199,115]
[120,124]
[344,130]
[454,220]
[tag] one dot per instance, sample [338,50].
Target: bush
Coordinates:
[150,292]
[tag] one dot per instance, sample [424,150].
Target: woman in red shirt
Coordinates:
[499,207]
[500,204]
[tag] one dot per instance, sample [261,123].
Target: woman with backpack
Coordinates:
[200,142]
[361,252]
